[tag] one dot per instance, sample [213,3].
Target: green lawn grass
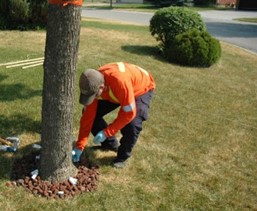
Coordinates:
[152,8]
[250,20]
[145,7]
[197,150]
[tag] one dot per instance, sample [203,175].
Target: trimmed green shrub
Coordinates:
[4,8]
[168,22]
[167,3]
[194,48]
[38,11]
[23,14]
[204,2]
[19,11]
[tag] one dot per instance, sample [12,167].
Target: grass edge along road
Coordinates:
[152,9]
[197,151]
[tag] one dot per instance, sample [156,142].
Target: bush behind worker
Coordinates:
[114,85]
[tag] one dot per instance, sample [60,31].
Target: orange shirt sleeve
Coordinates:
[86,123]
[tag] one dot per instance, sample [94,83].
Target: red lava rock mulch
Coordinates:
[21,176]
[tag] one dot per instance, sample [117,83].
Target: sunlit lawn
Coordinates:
[196,152]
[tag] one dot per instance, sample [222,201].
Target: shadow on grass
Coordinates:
[155,52]
[17,91]
[105,161]
[2,77]
[17,124]
[91,153]
[144,50]
[7,160]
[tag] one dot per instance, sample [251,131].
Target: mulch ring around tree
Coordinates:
[86,179]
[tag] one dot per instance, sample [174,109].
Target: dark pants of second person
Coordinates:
[130,132]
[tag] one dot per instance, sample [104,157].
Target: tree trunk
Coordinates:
[62,41]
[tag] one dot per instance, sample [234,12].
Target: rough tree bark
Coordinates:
[62,42]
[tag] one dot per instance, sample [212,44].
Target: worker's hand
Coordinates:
[76,153]
[100,137]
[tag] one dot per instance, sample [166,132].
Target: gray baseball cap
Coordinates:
[89,83]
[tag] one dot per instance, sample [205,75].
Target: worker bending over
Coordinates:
[114,85]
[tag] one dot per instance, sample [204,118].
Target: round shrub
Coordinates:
[38,11]
[4,8]
[204,2]
[23,14]
[168,22]
[194,48]
[19,11]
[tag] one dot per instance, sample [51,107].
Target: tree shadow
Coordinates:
[16,91]
[7,160]
[17,124]
[2,77]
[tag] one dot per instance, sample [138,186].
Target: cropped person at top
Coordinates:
[114,85]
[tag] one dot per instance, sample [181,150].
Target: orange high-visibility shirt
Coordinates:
[123,83]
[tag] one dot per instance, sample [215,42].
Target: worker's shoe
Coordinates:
[118,163]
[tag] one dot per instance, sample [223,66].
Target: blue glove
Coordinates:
[76,153]
[100,137]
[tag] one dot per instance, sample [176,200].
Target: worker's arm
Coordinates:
[125,95]
[86,123]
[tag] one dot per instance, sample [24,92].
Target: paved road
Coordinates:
[222,26]
[219,23]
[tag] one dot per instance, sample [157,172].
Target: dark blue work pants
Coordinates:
[130,132]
